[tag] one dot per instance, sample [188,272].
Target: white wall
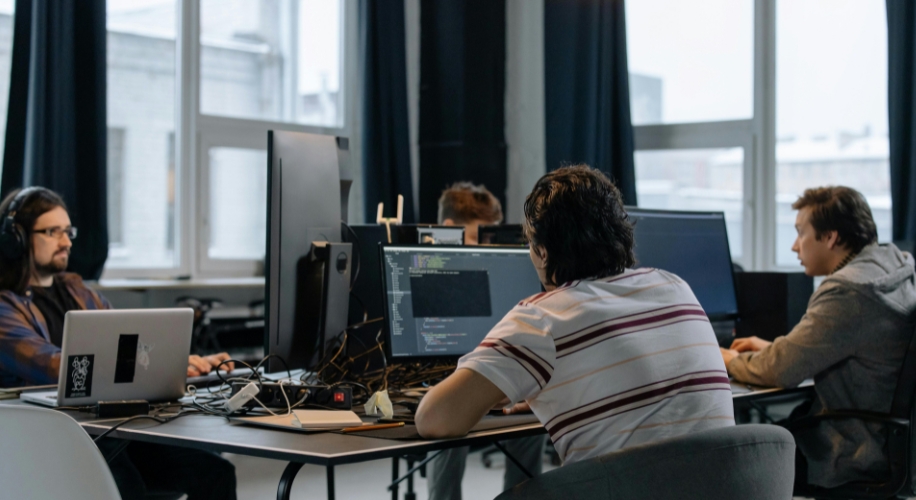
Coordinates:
[524,102]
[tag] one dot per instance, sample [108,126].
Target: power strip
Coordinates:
[338,398]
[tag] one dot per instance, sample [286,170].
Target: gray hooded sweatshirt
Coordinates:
[851,340]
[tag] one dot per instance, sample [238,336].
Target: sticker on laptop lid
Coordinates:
[79,375]
[143,351]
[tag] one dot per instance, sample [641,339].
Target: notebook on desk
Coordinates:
[114,355]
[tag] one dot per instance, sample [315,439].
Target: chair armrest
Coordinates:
[864,415]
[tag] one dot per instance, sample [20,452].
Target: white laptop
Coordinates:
[115,355]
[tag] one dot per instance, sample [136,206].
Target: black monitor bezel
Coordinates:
[731,269]
[386,333]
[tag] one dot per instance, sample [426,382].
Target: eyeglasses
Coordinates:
[57,232]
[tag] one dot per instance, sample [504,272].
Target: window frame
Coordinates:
[710,135]
[757,135]
[196,132]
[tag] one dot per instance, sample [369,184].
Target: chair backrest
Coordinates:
[46,454]
[904,406]
[750,462]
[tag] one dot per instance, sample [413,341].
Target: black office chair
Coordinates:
[899,447]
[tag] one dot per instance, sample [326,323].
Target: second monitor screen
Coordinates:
[443,302]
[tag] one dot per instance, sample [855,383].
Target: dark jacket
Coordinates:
[851,340]
[27,356]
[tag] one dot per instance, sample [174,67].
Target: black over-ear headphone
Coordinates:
[12,235]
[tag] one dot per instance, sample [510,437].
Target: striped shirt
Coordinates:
[610,363]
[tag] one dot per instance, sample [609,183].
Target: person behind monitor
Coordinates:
[35,295]
[851,340]
[607,357]
[469,205]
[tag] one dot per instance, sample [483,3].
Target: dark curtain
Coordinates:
[386,136]
[56,123]
[462,98]
[586,87]
[901,97]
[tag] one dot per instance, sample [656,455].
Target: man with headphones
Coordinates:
[35,294]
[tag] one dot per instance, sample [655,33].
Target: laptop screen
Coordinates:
[694,246]
[442,301]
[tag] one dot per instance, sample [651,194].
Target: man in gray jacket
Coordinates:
[851,340]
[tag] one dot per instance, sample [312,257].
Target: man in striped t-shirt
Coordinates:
[608,357]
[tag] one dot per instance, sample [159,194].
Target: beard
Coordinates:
[57,265]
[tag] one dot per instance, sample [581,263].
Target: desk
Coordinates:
[746,397]
[327,449]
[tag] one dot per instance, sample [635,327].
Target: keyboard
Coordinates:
[212,377]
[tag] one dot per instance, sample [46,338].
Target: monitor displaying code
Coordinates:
[442,301]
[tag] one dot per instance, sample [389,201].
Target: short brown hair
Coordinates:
[841,209]
[464,202]
[576,213]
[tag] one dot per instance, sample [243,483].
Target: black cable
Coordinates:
[136,417]
[283,361]
[254,370]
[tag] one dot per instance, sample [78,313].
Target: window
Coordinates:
[238,203]
[713,132]
[193,88]
[115,189]
[6,59]
[277,60]
[690,61]
[141,118]
[692,102]
[697,180]
[831,126]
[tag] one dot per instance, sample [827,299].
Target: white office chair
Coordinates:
[46,454]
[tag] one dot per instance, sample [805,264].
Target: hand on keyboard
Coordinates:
[198,366]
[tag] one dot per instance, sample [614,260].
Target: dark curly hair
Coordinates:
[841,209]
[576,213]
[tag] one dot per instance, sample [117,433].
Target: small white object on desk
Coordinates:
[307,420]
[379,402]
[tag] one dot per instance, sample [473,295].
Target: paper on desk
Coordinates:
[308,420]
[379,402]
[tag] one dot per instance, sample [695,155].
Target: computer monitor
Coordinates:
[442,301]
[430,234]
[694,246]
[502,234]
[307,265]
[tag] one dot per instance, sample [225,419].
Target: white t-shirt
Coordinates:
[610,363]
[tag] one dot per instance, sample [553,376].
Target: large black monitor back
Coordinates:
[368,293]
[694,246]
[303,206]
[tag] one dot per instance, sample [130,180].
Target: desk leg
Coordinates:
[330,482]
[286,480]
[410,495]
[395,472]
